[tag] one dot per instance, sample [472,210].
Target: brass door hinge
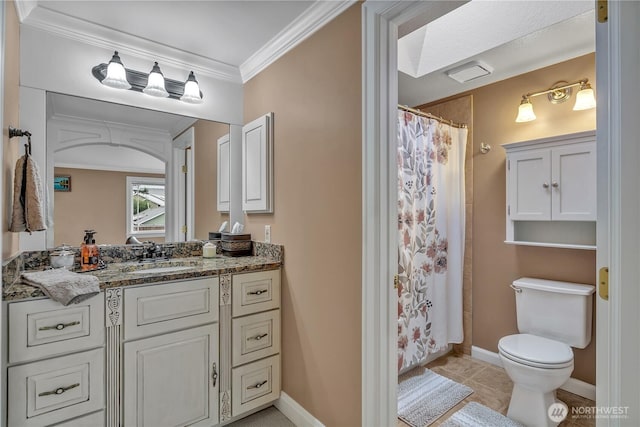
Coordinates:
[603,283]
[603,10]
[184,168]
[183,229]
[396,280]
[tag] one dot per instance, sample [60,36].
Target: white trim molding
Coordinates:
[311,20]
[295,412]
[380,22]
[573,385]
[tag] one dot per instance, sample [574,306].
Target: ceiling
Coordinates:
[508,37]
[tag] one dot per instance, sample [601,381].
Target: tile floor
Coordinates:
[492,387]
[269,417]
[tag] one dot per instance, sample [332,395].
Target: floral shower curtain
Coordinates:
[431,223]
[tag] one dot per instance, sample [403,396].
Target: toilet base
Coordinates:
[530,407]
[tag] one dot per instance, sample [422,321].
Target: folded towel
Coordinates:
[63,285]
[28,198]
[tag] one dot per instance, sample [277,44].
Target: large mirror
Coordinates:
[118,170]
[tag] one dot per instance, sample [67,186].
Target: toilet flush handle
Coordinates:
[515,288]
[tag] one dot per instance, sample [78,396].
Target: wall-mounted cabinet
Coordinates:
[224,174]
[257,165]
[551,191]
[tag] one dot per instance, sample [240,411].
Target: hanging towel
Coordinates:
[28,198]
[63,285]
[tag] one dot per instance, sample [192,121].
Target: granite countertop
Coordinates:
[129,273]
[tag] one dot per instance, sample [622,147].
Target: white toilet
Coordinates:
[552,316]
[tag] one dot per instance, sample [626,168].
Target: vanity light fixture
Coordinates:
[558,93]
[115,75]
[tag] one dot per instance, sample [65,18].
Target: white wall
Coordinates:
[55,63]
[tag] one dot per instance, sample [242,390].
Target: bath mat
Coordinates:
[477,415]
[424,398]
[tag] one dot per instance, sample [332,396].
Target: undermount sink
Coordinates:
[161,269]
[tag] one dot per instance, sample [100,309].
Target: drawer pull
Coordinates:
[257,337]
[214,374]
[257,385]
[59,390]
[59,326]
[258,292]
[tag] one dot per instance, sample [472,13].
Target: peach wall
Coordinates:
[11,150]
[315,93]
[97,201]
[207,218]
[496,264]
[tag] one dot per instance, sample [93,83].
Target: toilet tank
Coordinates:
[558,310]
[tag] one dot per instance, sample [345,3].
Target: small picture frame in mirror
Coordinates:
[62,183]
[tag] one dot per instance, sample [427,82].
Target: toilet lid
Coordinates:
[535,350]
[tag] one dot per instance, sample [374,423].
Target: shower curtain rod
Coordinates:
[431,116]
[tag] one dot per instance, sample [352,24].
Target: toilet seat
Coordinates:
[535,351]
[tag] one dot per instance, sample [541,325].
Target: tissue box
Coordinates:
[215,235]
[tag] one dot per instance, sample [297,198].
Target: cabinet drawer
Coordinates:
[92,420]
[255,384]
[155,309]
[45,328]
[50,391]
[255,292]
[255,337]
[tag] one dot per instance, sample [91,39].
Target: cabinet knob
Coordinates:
[554,184]
[545,185]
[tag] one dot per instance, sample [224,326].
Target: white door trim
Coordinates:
[380,22]
[618,340]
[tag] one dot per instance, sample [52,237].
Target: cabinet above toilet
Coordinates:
[551,191]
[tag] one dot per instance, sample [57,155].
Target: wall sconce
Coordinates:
[558,93]
[115,75]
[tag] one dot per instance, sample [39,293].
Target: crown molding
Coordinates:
[97,35]
[24,8]
[311,20]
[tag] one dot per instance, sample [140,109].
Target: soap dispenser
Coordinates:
[89,253]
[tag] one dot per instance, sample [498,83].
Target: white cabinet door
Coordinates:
[529,185]
[171,379]
[573,184]
[257,165]
[224,174]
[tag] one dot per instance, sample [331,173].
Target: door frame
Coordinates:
[617,62]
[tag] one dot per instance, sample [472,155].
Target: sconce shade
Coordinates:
[585,98]
[525,111]
[191,90]
[155,84]
[116,74]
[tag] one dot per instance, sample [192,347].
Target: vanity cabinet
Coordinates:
[257,165]
[193,352]
[255,340]
[170,378]
[56,362]
[551,191]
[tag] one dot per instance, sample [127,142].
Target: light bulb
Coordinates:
[191,90]
[116,74]
[585,98]
[155,83]
[525,111]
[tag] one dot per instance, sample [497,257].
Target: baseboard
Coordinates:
[572,385]
[295,412]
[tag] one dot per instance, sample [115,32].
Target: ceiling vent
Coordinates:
[469,71]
